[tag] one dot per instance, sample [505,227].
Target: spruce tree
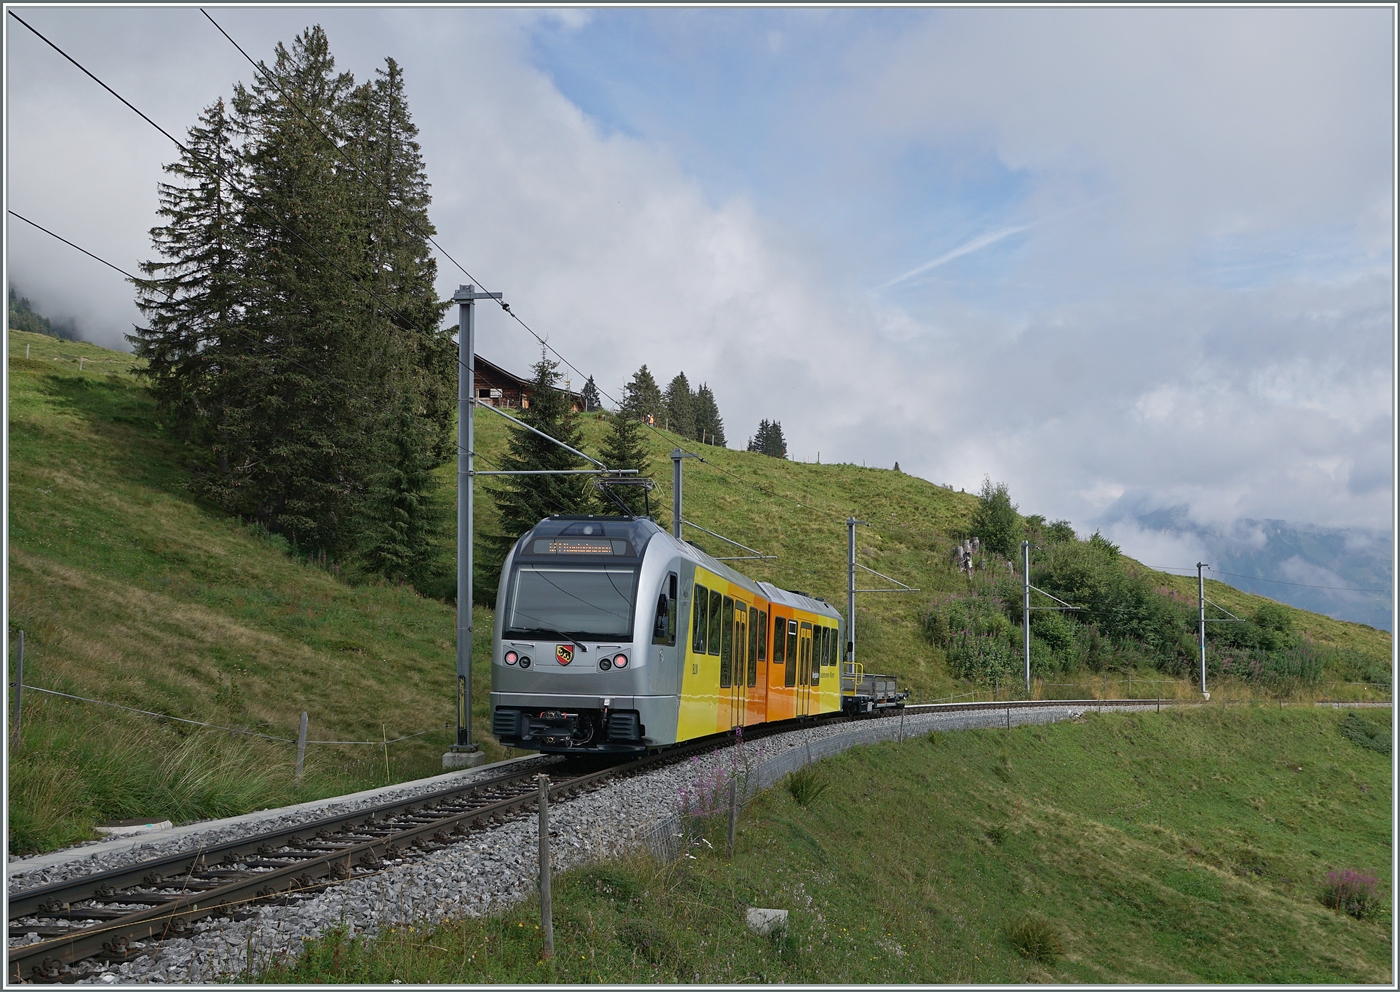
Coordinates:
[524,500]
[591,400]
[680,406]
[643,398]
[769,439]
[623,448]
[709,427]
[192,298]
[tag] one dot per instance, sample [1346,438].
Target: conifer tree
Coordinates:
[591,400]
[709,427]
[769,439]
[192,298]
[643,398]
[623,448]
[524,500]
[680,406]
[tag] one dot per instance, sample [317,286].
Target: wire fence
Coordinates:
[214,726]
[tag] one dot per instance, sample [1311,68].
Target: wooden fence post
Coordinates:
[301,749]
[546,898]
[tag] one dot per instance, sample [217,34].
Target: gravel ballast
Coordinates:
[491,869]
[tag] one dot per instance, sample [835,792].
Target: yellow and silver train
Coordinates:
[614,636]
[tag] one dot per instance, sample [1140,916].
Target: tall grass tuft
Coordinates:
[1035,938]
[806,786]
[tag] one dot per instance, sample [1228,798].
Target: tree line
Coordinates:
[292,334]
[23,317]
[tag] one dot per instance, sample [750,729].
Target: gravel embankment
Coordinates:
[492,869]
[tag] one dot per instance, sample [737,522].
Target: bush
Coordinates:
[1351,892]
[1035,938]
[1359,730]
[996,522]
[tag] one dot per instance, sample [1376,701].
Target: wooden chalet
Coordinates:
[498,387]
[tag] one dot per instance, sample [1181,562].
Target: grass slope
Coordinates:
[130,591]
[1181,847]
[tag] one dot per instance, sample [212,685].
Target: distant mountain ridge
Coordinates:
[1306,555]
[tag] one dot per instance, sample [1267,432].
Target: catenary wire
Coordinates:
[256,201]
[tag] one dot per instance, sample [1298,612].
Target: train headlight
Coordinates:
[524,661]
[604,664]
[619,661]
[512,657]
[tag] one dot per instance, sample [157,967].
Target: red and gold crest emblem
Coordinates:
[564,653]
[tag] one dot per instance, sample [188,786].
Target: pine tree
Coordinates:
[591,400]
[709,427]
[524,500]
[680,407]
[643,401]
[623,448]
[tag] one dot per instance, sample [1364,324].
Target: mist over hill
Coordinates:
[1306,555]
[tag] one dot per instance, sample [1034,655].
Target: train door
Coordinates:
[738,699]
[728,684]
[804,669]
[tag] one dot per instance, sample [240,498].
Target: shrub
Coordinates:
[806,786]
[1034,938]
[1357,729]
[995,520]
[1351,892]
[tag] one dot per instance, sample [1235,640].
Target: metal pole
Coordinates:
[546,897]
[19,682]
[676,456]
[1026,609]
[1201,599]
[465,298]
[301,748]
[851,592]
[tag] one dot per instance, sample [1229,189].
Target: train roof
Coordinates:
[799,600]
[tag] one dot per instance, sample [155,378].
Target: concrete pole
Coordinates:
[546,897]
[676,456]
[1026,609]
[1201,599]
[301,748]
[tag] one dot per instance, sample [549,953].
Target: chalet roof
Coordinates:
[491,368]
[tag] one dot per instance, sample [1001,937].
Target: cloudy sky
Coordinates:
[1116,258]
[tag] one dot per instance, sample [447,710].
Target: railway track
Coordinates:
[122,913]
[117,915]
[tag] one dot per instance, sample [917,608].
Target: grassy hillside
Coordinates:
[1181,847]
[130,591]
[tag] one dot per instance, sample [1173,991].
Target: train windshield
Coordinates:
[578,603]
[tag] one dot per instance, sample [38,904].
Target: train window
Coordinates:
[726,641]
[741,641]
[664,625]
[825,653]
[779,639]
[804,654]
[792,650]
[762,635]
[753,646]
[716,601]
[818,646]
[702,611]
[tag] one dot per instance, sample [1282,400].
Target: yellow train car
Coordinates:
[612,635]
